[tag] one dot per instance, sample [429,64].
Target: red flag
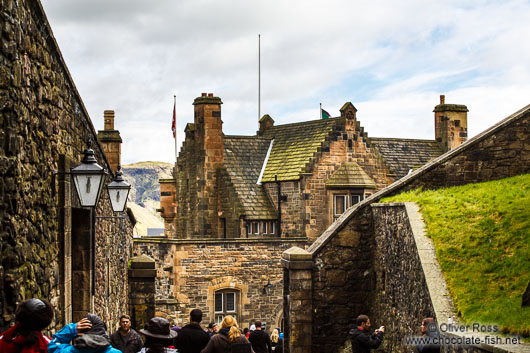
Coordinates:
[173,124]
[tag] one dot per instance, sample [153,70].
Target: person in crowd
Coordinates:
[429,332]
[31,317]
[228,337]
[260,340]
[213,328]
[125,338]
[246,332]
[276,341]
[89,335]
[361,340]
[158,336]
[192,338]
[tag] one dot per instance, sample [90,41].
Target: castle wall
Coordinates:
[189,273]
[44,128]
[501,154]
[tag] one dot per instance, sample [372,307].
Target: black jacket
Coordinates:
[191,339]
[131,343]
[261,342]
[430,342]
[362,341]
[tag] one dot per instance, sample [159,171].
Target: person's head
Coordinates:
[252,327]
[98,327]
[196,316]
[230,322]
[363,322]
[213,327]
[34,314]
[258,325]
[125,323]
[157,333]
[245,330]
[427,325]
[275,335]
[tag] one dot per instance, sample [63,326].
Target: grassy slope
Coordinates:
[482,237]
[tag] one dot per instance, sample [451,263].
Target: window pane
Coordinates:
[273,227]
[230,302]
[264,227]
[219,319]
[340,204]
[355,199]
[219,302]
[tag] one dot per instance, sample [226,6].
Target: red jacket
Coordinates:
[10,344]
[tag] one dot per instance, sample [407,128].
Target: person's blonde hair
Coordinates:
[275,336]
[229,321]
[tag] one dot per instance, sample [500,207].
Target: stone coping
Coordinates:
[329,233]
[438,292]
[165,240]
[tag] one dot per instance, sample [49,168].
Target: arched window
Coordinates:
[226,303]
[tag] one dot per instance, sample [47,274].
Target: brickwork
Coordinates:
[44,127]
[189,273]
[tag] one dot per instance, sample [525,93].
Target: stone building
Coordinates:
[375,259]
[237,202]
[51,247]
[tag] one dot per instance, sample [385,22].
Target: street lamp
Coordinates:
[118,191]
[88,178]
[267,289]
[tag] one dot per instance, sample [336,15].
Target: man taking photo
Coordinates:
[361,339]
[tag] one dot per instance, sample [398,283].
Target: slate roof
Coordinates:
[403,155]
[294,147]
[244,157]
[350,175]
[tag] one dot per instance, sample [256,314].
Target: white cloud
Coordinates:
[391,59]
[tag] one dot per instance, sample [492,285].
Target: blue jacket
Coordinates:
[60,343]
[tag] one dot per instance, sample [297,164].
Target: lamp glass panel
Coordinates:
[118,198]
[88,188]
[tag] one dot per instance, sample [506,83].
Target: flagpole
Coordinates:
[320,111]
[259,76]
[175,118]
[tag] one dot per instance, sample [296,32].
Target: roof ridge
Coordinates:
[247,137]
[400,139]
[305,122]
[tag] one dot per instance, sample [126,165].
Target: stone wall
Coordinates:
[44,127]
[189,273]
[401,297]
[342,282]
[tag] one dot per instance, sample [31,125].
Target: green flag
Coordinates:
[324,114]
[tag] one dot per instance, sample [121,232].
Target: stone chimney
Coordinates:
[210,140]
[450,124]
[110,140]
[265,123]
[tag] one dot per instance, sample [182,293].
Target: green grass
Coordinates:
[482,237]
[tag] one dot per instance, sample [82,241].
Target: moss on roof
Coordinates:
[295,147]
[350,175]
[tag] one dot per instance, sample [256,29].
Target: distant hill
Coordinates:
[145,192]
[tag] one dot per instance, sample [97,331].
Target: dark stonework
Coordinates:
[44,128]
[526,296]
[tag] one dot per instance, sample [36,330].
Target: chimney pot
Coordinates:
[203,94]
[210,94]
[442,99]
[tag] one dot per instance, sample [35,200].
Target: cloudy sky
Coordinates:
[391,59]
